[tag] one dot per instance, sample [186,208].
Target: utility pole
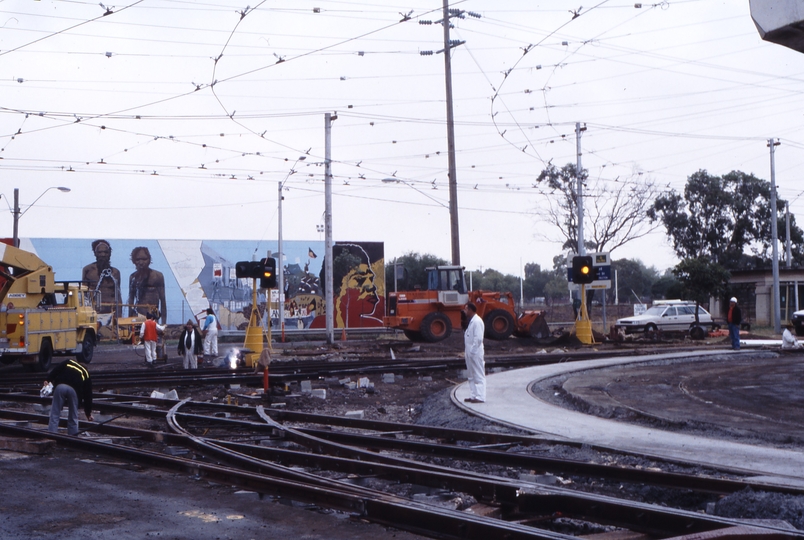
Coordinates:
[788,250]
[16,217]
[281,269]
[579,189]
[330,297]
[777,308]
[453,174]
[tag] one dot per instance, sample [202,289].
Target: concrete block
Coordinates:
[363,382]
[306,387]
[463,374]
[320,393]
[426,379]
[345,381]
[354,414]
[351,385]
[388,378]
[27,446]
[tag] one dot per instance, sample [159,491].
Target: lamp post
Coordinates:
[18,214]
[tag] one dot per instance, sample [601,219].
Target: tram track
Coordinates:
[263,451]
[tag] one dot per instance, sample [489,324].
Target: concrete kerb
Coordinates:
[509,402]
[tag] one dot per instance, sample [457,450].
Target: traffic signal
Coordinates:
[268,273]
[582,270]
[248,269]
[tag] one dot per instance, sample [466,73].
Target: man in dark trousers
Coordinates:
[73,386]
[734,318]
[191,345]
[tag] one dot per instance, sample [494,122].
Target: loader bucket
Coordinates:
[532,324]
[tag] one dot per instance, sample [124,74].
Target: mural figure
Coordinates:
[359,286]
[146,287]
[103,278]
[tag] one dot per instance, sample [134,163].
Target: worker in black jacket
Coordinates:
[73,386]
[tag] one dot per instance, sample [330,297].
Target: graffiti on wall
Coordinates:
[180,279]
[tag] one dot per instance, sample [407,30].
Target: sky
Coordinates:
[178,119]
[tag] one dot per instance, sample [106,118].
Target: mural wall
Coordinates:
[182,278]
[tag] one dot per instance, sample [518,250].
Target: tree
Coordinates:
[667,286]
[633,278]
[727,219]
[556,289]
[614,211]
[701,279]
[415,273]
[493,280]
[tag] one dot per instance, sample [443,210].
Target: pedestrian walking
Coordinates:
[149,334]
[210,330]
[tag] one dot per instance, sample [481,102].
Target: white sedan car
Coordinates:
[669,317]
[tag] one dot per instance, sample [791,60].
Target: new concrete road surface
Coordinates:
[509,401]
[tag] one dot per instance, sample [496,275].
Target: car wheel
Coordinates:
[697,333]
[650,328]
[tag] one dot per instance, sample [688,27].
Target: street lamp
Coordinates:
[18,215]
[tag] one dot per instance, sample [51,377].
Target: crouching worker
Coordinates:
[789,341]
[71,386]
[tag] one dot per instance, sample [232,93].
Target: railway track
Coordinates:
[372,469]
[283,370]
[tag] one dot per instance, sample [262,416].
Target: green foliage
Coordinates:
[633,278]
[489,280]
[556,289]
[727,219]
[667,286]
[701,279]
[414,266]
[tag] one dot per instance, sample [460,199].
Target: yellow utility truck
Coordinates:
[40,317]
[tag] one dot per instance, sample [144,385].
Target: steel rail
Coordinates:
[649,519]
[411,512]
[109,403]
[537,498]
[703,484]
[390,511]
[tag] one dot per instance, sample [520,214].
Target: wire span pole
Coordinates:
[579,191]
[777,308]
[453,175]
[281,269]
[328,277]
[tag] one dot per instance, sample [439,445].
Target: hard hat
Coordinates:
[733,299]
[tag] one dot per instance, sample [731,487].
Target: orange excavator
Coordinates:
[430,315]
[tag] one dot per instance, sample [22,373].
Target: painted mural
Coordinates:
[180,279]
